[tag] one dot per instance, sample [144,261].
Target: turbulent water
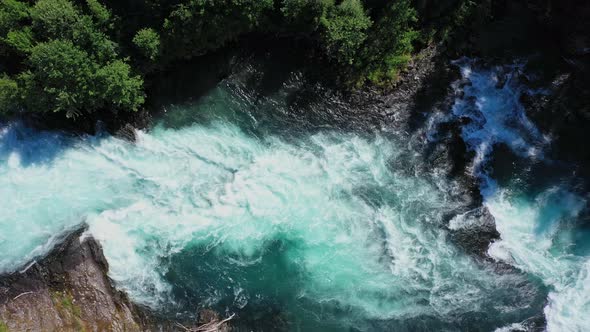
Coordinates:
[258,204]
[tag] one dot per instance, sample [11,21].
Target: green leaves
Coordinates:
[54,18]
[389,49]
[8,94]
[71,65]
[305,15]
[99,12]
[21,39]
[148,43]
[197,26]
[116,84]
[65,78]
[344,30]
[64,55]
[12,12]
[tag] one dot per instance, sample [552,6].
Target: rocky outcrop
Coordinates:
[69,290]
[474,230]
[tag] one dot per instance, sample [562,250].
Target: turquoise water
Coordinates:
[233,203]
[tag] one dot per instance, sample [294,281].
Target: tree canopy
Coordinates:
[81,56]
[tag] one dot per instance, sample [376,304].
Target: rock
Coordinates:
[69,290]
[474,230]
[211,318]
[127,132]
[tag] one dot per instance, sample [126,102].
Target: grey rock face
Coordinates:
[68,290]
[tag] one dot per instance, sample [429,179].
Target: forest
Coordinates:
[77,57]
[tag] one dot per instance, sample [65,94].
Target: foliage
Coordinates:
[70,64]
[344,29]
[148,42]
[20,40]
[116,84]
[3,327]
[81,56]
[54,18]
[101,14]
[64,78]
[8,94]
[197,26]
[11,13]
[389,50]
[305,15]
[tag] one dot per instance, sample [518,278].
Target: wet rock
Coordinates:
[127,132]
[69,290]
[210,320]
[474,230]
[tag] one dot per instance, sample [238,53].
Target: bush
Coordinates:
[116,85]
[148,43]
[20,40]
[344,29]
[54,18]
[64,78]
[197,26]
[305,15]
[389,49]
[8,94]
[11,13]
[100,13]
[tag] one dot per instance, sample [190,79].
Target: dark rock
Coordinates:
[474,230]
[69,290]
[127,132]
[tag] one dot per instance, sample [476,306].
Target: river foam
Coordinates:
[540,231]
[323,230]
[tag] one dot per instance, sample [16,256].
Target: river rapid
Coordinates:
[259,202]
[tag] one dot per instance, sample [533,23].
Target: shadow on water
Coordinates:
[266,89]
[258,288]
[22,146]
[268,292]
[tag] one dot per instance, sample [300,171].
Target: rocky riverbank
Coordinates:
[69,290]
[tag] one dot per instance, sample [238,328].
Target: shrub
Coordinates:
[148,43]
[64,78]
[305,15]
[21,40]
[344,31]
[8,94]
[197,26]
[54,18]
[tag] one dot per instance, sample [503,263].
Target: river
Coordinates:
[262,204]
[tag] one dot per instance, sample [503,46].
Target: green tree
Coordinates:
[54,18]
[64,78]
[305,15]
[148,42]
[118,87]
[344,30]
[99,12]
[389,48]
[8,94]
[197,26]
[21,40]
[11,13]
[60,79]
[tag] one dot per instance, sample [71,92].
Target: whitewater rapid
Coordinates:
[326,230]
[540,232]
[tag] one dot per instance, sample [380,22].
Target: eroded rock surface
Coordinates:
[68,291]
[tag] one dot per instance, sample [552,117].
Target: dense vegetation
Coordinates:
[77,57]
